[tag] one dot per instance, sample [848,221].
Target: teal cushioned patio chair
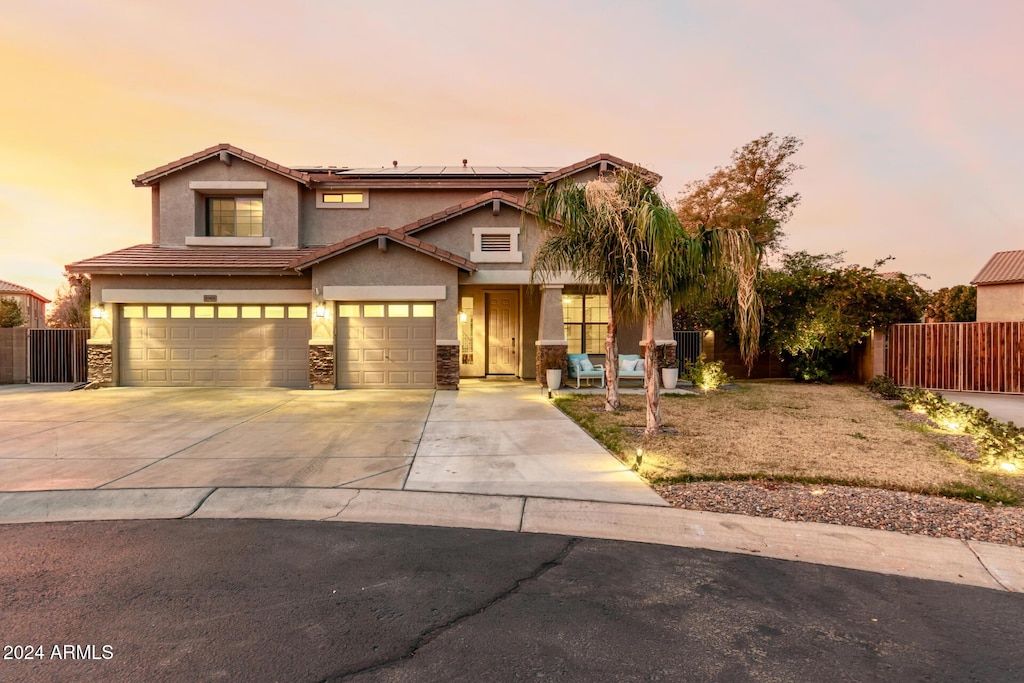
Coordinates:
[577,371]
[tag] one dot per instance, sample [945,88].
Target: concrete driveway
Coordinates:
[1005,407]
[491,438]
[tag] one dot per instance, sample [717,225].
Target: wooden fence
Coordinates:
[985,357]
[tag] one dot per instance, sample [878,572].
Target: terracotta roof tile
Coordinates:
[593,161]
[149,177]
[148,258]
[463,207]
[330,251]
[1005,267]
[11,288]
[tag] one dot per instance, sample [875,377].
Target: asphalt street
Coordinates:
[249,600]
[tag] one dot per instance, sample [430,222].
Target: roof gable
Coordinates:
[460,209]
[153,176]
[1005,267]
[11,288]
[356,241]
[603,161]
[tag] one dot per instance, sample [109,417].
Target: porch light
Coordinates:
[463,317]
[320,311]
[97,312]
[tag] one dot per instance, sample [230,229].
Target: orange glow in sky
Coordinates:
[910,112]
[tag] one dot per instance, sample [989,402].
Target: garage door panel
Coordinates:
[215,352]
[389,352]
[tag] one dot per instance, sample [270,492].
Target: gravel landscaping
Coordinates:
[910,513]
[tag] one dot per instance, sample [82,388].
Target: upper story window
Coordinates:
[496,245]
[342,199]
[234,216]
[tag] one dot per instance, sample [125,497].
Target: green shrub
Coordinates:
[706,375]
[808,370]
[999,443]
[884,386]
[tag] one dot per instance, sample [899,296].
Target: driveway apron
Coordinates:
[494,437]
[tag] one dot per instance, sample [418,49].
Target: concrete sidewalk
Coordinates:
[985,565]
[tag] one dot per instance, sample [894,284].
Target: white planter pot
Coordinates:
[669,377]
[554,379]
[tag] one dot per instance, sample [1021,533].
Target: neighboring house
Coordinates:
[260,274]
[33,306]
[1001,288]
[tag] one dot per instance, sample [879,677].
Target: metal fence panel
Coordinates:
[688,345]
[57,356]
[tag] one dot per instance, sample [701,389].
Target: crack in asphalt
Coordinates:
[431,634]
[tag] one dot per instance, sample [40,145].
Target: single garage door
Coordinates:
[386,345]
[215,345]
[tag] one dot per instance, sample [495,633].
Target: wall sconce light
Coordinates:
[463,317]
[97,312]
[320,311]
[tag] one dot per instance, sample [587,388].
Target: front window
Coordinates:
[234,216]
[586,322]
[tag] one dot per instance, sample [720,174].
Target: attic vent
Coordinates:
[496,245]
[496,242]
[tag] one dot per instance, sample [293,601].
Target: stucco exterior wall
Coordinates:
[183,211]
[1000,303]
[367,266]
[456,235]
[388,208]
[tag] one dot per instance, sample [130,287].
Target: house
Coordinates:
[33,306]
[260,274]
[1000,286]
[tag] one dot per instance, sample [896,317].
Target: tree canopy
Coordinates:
[11,314]
[958,304]
[748,194]
[71,305]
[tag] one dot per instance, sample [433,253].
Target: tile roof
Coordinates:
[594,161]
[149,177]
[368,236]
[426,171]
[11,288]
[458,209]
[149,258]
[1005,267]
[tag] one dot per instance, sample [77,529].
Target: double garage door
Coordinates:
[385,345]
[380,345]
[215,345]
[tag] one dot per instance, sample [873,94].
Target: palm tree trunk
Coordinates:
[611,358]
[651,375]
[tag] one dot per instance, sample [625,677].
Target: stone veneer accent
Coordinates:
[447,366]
[321,365]
[100,359]
[551,357]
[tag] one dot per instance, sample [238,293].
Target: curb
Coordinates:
[986,565]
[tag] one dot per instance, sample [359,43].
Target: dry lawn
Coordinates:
[783,430]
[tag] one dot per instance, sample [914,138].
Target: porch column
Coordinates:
[100,345]
[321,346]
[551,343]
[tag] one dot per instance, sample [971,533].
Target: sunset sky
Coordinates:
[912,112]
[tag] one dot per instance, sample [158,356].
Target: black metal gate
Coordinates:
[688,345]
[57,356]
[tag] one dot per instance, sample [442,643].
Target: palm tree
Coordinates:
[617,231]
[582,241]
[661,263]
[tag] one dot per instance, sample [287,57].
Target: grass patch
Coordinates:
[790,432]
